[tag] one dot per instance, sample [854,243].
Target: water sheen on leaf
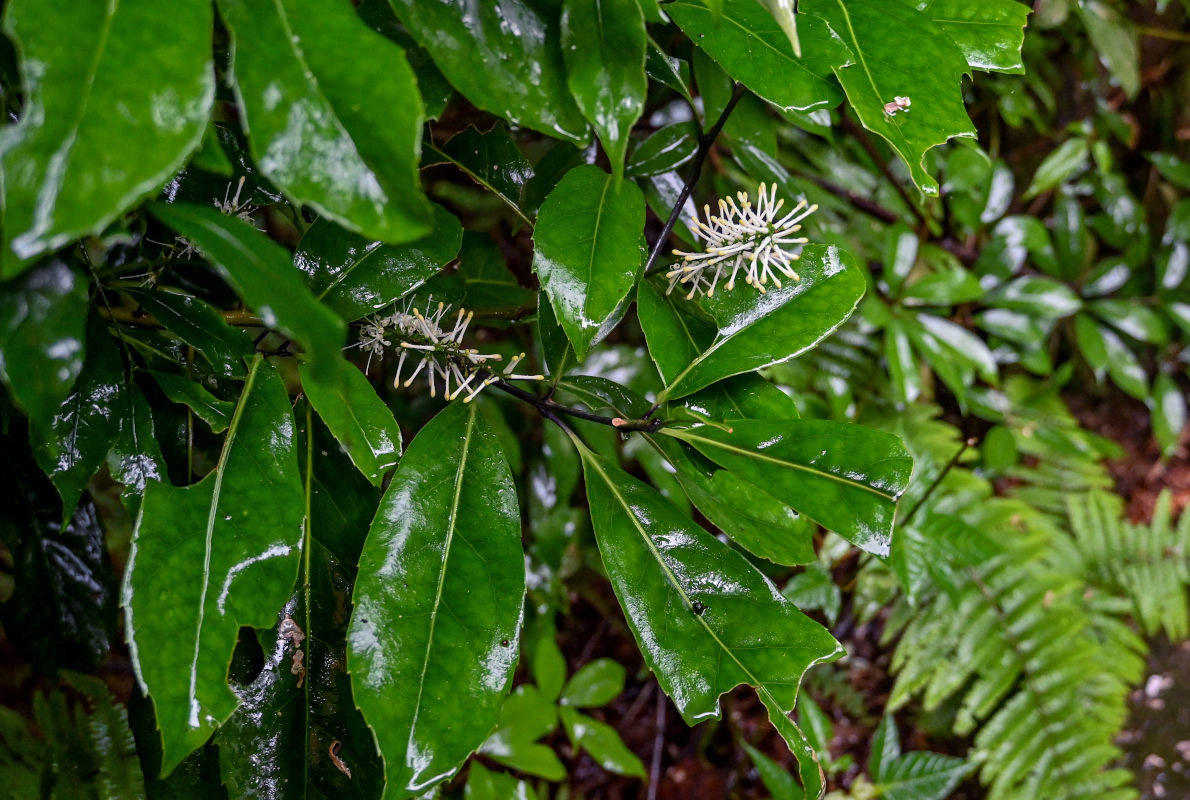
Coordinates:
[705,619]
[118,94]
[210,557]
[928,73]
[589,249]
[503,55]
[309,128]
[438,602]
[989,32]
[753,330]
[844,476]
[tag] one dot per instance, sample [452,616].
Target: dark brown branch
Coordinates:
[549,409]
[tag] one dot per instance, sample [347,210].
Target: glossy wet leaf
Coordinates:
[308,130]
[1106,352]
[775,778]
[753,48]
[526,717]
[483,784]
[72,164]
[1168,408]
[199,325]
[135,457]
[928,73]
[601,742]
[358,418]
[433,640]
[705,619]
[603,47]
[746,396]
[75,443]
[1115,37]
[504,56]
[263,274]
[210,557]
[595,684]
[1059,165]
[356,276]
[664,150]
[753,330]
[589,247]
[43,320]
[192,394]
[844,476]
[299,709]
[988,32]
[493,161]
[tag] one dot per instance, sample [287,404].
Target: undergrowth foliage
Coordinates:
[316,316]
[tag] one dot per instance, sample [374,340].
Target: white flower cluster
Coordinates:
[743,237]
[438,351]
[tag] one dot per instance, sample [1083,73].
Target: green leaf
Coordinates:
[816,724]
[589,244]
[441,585]
[1115,38]
[774,777]
[923,776]
[928,73]
[746,396]
[815,588]
[111,112]
[298,710]
[504,56]
[358,418]
[602,743]
[785,12]
[754,330]
[705,619]
[483,784]
[1037,296]
[135,457]
[43,322]
[309,130]
[1105,351]
[1132,318]
[525,718]
[356,276]
[263,274]
[754,49]
[1168,410]
[603,47]
[665,150]
[200,326]
[596,684]
[903,369]
[990,33]
[493,161]
[846,477]
[210,557]
[1059,166]
[192,394]
[76,441]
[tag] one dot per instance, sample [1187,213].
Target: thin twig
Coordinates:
[938,480]
[549,409]
[705,142]
[658,744]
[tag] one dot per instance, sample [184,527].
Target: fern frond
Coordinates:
[1147,564]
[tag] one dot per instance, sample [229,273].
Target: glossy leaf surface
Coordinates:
[589,250]
[503,55]
[603,47]
[199,325]
[753,330]
[527,715]
[704,618]
[492,160]
[358,418]
[433,640]
[596,683]
[988,32]
[70,166]
[752,47]
[355,162]
[192,394]
[210,557]
[928,74]
[43,320]
[602,742]
[263,274]
[844,476]
[356,276]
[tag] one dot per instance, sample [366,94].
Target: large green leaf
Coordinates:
[503,55]
[117,95]
[76,441]
[198,324]
[358,418]
[490,159]
[311,130]
[210,557]
[927,73]
[603,46]
[988,32]
[753,48]
[589,244]
[753,330]
[356,276]
[263,274]
[43,321]
[844,476]
[705,619]
[433,640]
[297,732]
